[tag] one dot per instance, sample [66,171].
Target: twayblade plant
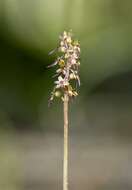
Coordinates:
[67,63]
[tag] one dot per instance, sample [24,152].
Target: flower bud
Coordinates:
[57,93]
[58,71]
[70,93]
[69,40]
[75,43]
[78,63]
[62,49]
[66,55]
[61,63]
[72,76]
[75,93]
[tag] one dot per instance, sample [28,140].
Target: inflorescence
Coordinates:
[67,62]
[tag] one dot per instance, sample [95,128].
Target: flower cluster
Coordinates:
[68,66]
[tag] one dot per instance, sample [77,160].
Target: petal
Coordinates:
[60,78]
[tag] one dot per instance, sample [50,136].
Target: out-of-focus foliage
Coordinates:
[100,118]
[38,23]
[30,29]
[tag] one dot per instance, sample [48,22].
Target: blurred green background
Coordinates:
[31,134]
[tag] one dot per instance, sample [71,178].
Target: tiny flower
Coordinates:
[73,61]
[75,55]
[61,83]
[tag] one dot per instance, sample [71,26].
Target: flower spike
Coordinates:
[67,62]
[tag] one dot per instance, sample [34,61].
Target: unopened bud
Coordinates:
[72,76]
[75,43]
[66,55]
[78,63]
[58,71]
[61,63]
[58,94]
[62,49]
[75,93]
[69,40]
[70,93]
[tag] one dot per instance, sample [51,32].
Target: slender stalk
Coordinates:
[65,158]
[67,72]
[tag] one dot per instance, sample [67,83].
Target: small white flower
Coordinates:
[75,55]
[61,82]
[73,61]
